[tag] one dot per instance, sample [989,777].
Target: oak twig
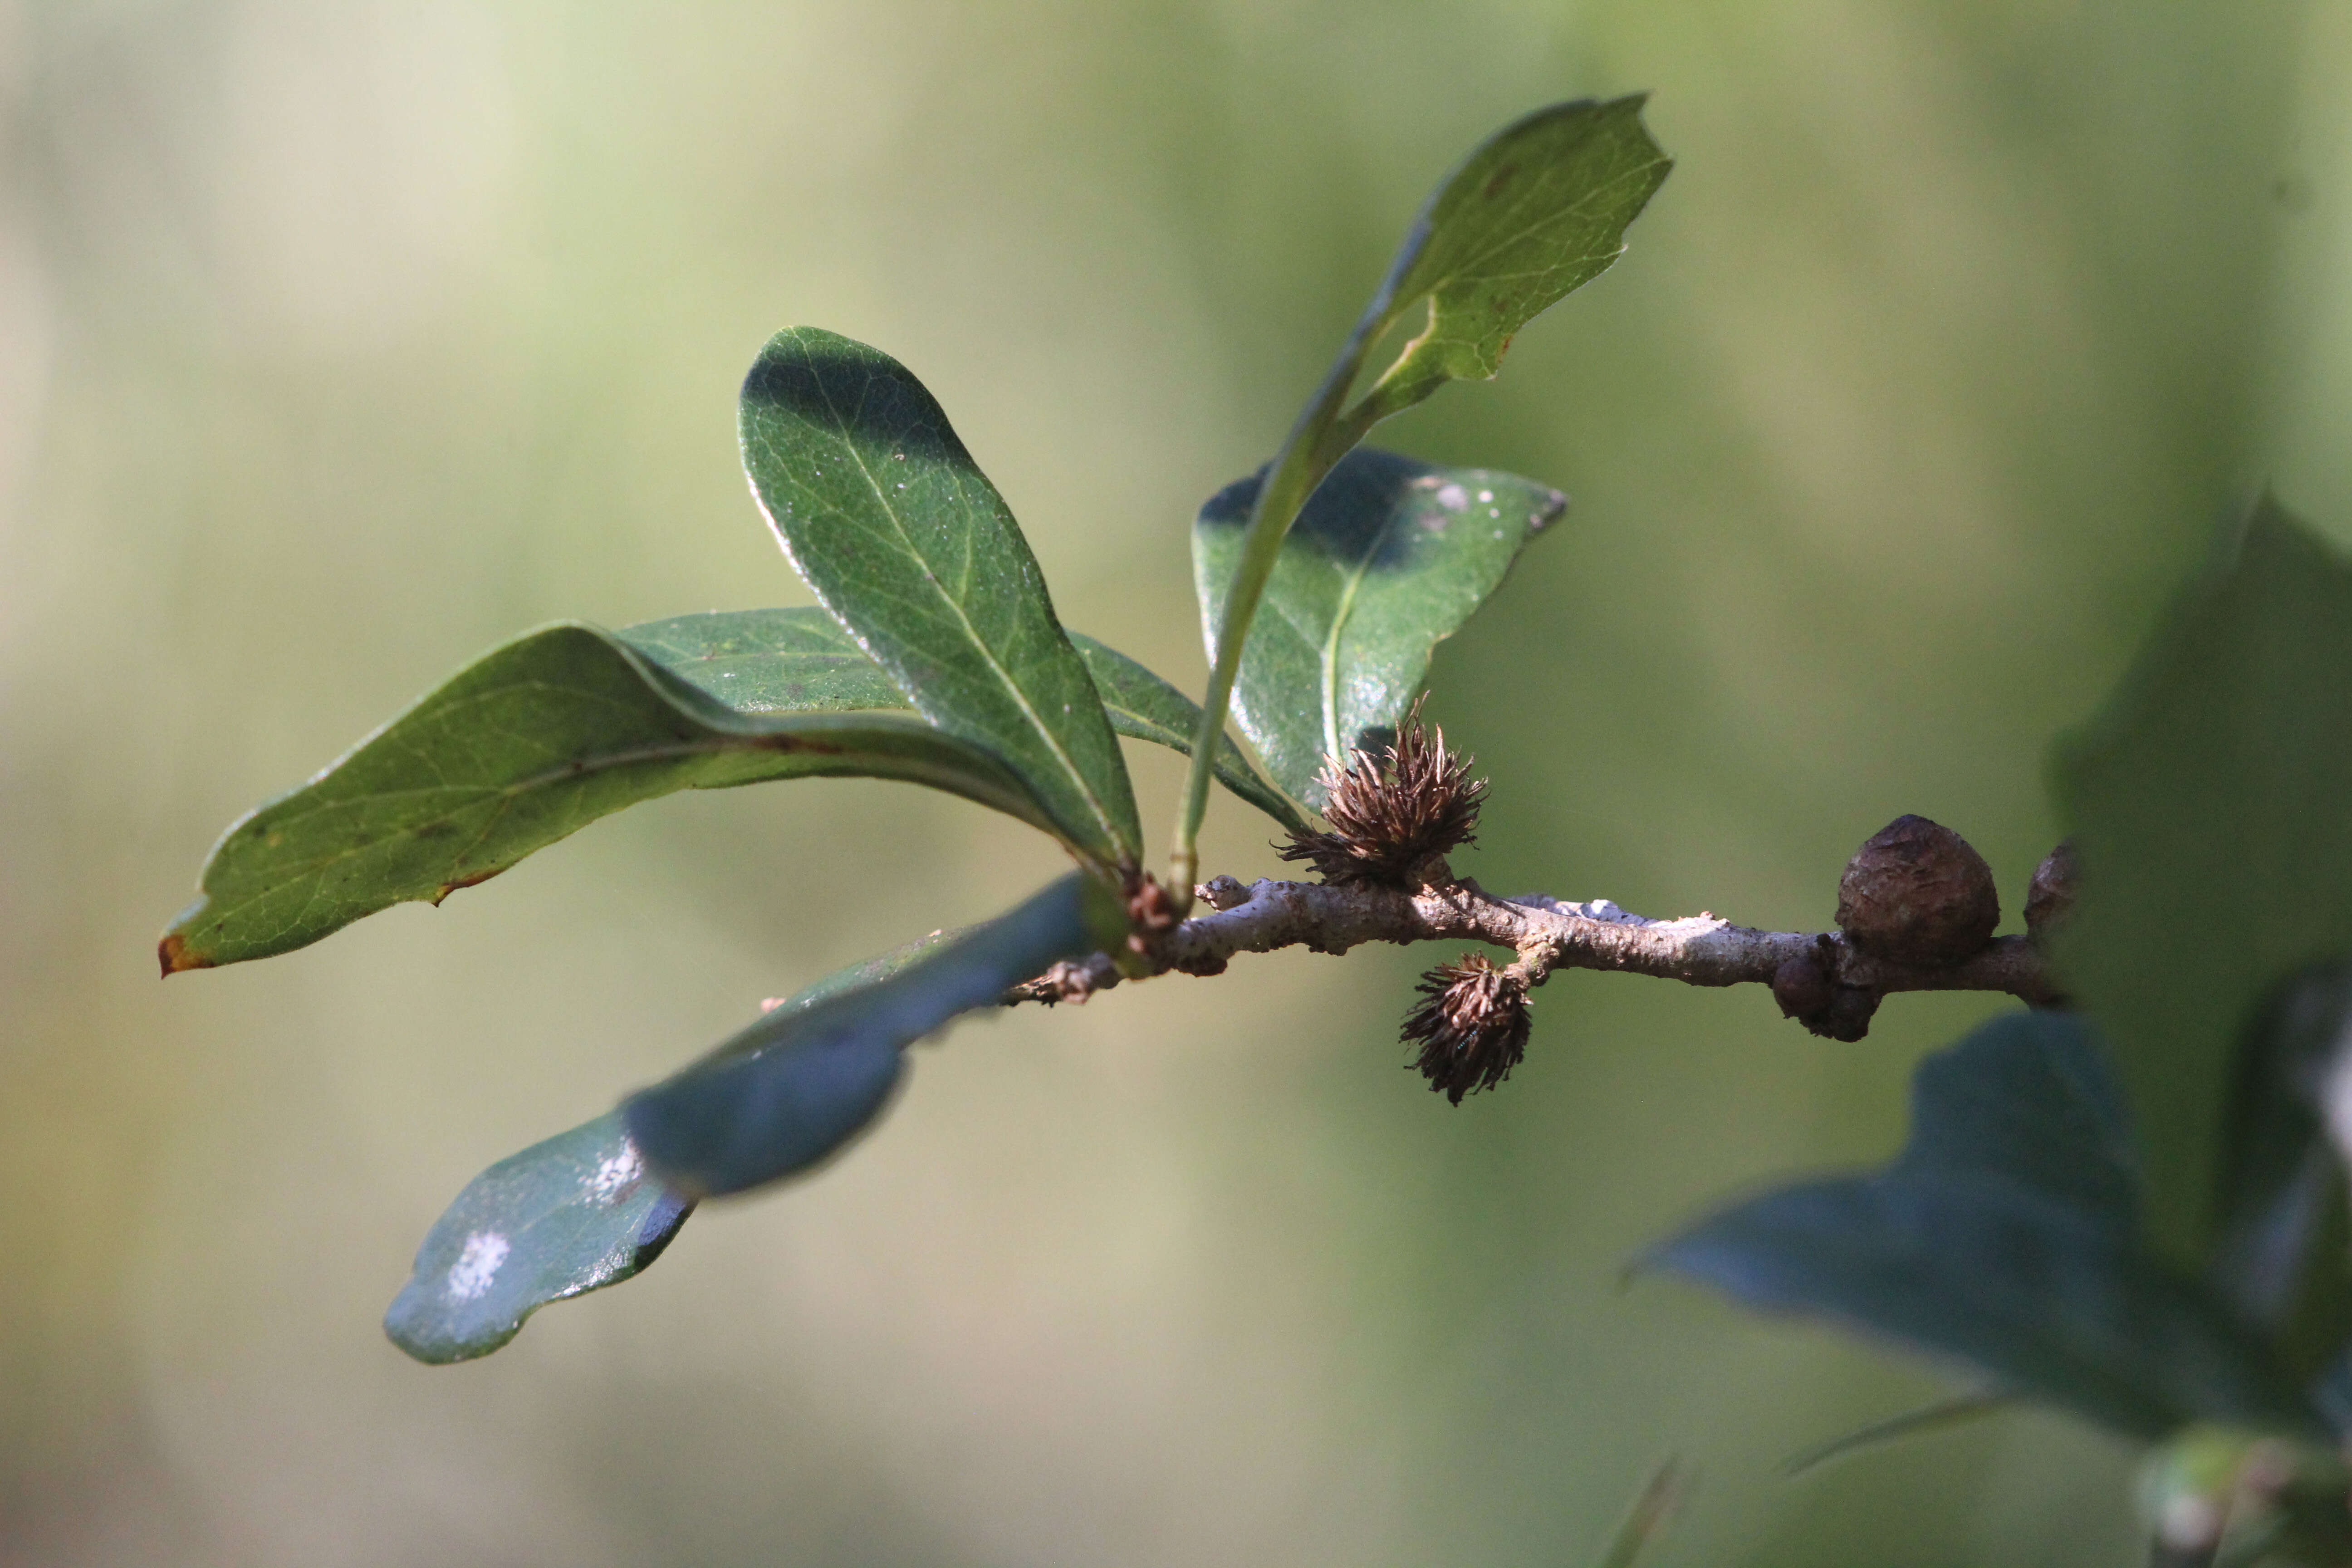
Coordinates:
[1546,933]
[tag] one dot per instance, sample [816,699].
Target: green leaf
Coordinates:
[2279,1174]
[1147,708]
[2210,805]
[1541,209]
[571,1214]
[1647,1519]
[2004,1241]
[795,1087]
[568,1216]
[794,661]
[902,537]
[1389,557]
[769,661]
[532,742]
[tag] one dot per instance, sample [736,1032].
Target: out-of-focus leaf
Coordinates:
[1941,1416]
[572,1214]
[1651,1513]
[1389,557]
[793,1087]
[531,742]
[800,660]
[2004,1241]
[769,661]
[1539,210]
[2279,1174]
[2211,807]
[902,537]
[1147,708]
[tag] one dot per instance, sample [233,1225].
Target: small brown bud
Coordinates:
[1917,893]
[2052,895]
[1803,988]
[1471,1026]
[1392,814]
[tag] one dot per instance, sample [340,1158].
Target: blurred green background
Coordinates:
[337,343]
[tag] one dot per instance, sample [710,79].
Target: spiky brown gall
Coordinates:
[1393,813]
[2052,894]
[1470,1025]
[1917,893]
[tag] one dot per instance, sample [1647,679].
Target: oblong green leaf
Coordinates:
[2217,778]
[1538,211]
[800,659]
[531,742]
[790,1089]
[2004,1241]
[1389,557]
[890,521]
[571,1214]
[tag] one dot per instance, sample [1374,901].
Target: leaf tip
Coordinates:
[175,954]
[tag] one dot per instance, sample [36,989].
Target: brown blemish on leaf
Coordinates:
[173,954]
[1496,181]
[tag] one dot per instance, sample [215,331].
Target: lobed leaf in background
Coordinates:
[528,744]
[1388,558]
[901,536]
[2005,1241]
[572,1214]
[1536,211]
[794,661]
[2214,790]
[793,1087]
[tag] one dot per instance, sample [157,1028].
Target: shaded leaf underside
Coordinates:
[2005,1242]
[568,1215]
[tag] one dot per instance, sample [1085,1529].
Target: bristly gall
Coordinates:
[1471,1026]
[1917,893]
[1391,812]
[2052,894]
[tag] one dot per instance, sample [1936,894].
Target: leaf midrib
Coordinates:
[1020,699]
[1330,656]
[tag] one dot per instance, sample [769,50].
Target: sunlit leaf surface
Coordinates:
[534,741]
[1539,210]
[1391,556]
[902,537]
[791,660]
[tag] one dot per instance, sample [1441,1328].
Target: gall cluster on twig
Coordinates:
[1471,1026]
[1393,812]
